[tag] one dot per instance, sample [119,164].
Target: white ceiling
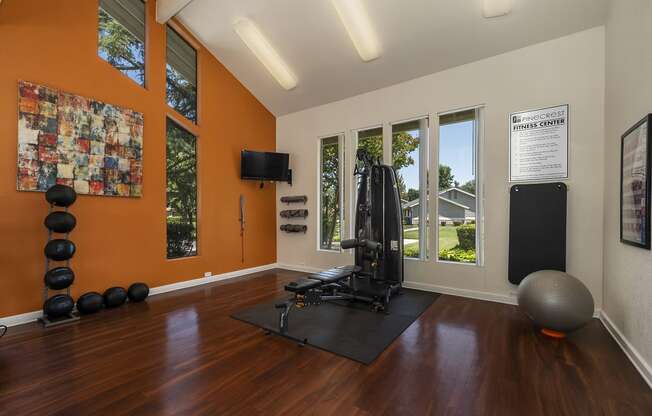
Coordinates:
[418,37]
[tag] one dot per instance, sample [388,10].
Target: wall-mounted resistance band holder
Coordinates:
[537,229]
[294,228]
[296,199]
[294,213]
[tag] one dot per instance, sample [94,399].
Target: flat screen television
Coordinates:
[265,166]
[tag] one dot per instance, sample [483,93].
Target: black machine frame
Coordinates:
[377,275]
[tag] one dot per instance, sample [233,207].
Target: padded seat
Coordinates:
[335,274]
[302,285]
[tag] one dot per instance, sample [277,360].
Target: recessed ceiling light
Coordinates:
[357,23]
[495,8]
[266,54]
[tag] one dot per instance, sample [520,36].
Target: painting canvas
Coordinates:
[96,148]
[635,185]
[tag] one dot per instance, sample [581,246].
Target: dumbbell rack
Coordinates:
[72,316]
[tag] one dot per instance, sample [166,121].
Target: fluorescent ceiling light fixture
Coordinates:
[357,23]
[258,44]
[495,8]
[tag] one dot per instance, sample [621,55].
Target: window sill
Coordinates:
[458,263]
[183,258]
[324,250]
[414,258]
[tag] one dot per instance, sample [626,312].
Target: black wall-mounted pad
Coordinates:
[537,229]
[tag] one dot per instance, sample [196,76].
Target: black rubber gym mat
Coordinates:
[351,330]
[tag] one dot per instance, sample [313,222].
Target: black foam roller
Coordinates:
[59,278]
[61,195]
[58,306]
[59,249]
[114,296]
[60,222]
[90,302]
[137,292]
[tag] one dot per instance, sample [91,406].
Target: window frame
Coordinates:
[478,162]
[181,31]
[353,192]
[180,123]
[423,180]
[341,142]
[146,38]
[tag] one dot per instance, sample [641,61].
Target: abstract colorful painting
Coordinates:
[96,148]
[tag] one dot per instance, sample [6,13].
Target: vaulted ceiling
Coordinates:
[418,37]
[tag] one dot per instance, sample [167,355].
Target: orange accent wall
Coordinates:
[123,240]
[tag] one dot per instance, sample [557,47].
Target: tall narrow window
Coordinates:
[371,140]
[121,40]
[406,159]
[330,193]
[181,169]
[181,73]
[458,203]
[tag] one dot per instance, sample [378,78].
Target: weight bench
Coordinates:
[313,290]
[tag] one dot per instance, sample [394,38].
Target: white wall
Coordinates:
[627,270]
[569,70]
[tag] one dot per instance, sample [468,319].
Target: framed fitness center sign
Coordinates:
[635,185]
[538,144]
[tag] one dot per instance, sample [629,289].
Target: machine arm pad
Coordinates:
[363,243]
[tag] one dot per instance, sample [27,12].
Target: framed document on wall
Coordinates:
[635,185]
[538,144]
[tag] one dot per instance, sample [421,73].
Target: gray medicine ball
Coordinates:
[555,300]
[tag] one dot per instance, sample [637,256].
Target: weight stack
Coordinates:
[58,305]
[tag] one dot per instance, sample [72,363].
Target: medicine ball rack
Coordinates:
[294,213]
[54,197]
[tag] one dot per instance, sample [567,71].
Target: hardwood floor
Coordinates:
[180,353]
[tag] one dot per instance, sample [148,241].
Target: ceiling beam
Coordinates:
[167,9]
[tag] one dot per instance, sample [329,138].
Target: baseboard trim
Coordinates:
[465,293]
[630,351]
[20,319]
[210,279]
[25,318]
[300,268]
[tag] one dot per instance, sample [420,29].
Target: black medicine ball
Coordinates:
[60,222]
[61,195]
[58,306]
[59,249]
[59,278]
[137,292]
[90,302]
[114,296]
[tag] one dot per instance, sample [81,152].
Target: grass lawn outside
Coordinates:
[447,236]
[411,232]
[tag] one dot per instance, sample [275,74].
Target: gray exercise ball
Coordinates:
[555,301]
